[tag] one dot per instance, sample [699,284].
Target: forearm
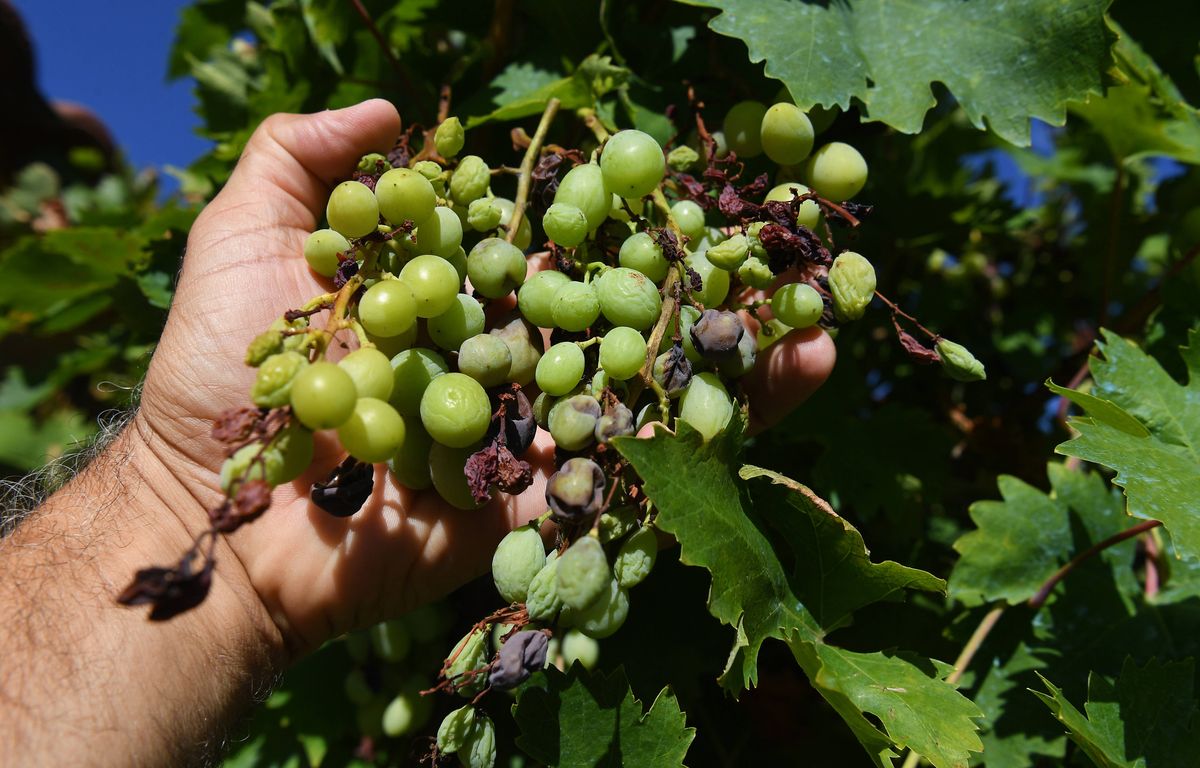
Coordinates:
[84,680]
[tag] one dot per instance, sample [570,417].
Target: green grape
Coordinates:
[524,342]
[485,358]
[705,404]
[583,574]
[730,254]
[721,148]
[405,195]
[632,163]
[458,260]
[542,600]
[470,180]
[472,655]
[275,377]
[434,283]
[263,346]
[743,128]
[606,615]
[852,284]
[430,170]
[321,250]
[483,214]
[837,171]
[689,315]
[283,460]
[560,369]
[584,188]
[797,305]
[519,557]
[455,410]
[622,353]
[635,559]
[714,282]
[689,217]
[352,209]
[786,133]
[958,362]
[390,640]
[742,360]
[402,714]
[496,267]
[810,211]
[682,158]
[440,233]
[756,274]
[449,137]
[576,306]
[573,422]
[479,748]
[541,409]
[323,396]
[537,296]
[577,646]
[356,687]
[641,253]
[371,371]
[452,733]
[565,225]
[410,465]
[460,322]
[412,371]
[446,472]
[524,230]
[616,523]
[627,297]
[617,209]
[388,308]
[374,432]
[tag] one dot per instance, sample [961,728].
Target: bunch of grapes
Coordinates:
[661,277]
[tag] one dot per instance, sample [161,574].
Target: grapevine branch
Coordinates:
[530,159]
[1043,593]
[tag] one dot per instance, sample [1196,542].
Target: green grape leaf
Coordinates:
[1148,717]
[326,28]
[887,54]
[594,77]
[1160,472]
[26,444]
[908,694]
[587,719]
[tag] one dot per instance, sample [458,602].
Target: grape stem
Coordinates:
[897,311]
[531,157]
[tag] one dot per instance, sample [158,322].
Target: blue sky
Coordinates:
[112,58]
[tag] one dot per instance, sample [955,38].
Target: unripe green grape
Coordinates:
[635,559]
[852,283]
[390,640]
[573,422]
[721,146]
[446,472]
[565,225]
[472,655]
[617,209]
[584,188]
[743,128]
[275,377]
[403,714]
[484,214]
[627,297]
[689,217]
[470,179]
[412,370]
[323,396]
[524,342]
[577,646]
[542,601]
[519,557]
[576,306]
[632,163]
[756,274]
[616,523]
[388,308]
[440,233]
[449,137]
[622,353]
[410,464]
[430,170]
[485,358]
[371,371]
[605,616]
[641,253]
[797,305]
[524,234]
[496,267]
[809,213]
[583,574]
[958,362]
[541,409]
[682,158]
[728,255]
[536,296]
[405,195]
[434,283]
[453,731]
[479,748]
[786,134]
[458,260]
[352,209]
[837,171]
[714,282]
[321,250]
[262,347]
[460,322]
[705,404]
[455,410]
[374,431]
[560,369]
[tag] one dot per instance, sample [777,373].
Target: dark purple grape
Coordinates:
[672,370]
[521,655]
[717,333]
[576,490]
[616,422]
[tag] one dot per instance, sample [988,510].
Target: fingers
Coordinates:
[787,373]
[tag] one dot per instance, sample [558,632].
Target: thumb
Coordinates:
[292,161]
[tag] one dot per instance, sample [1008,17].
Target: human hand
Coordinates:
[316,575]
